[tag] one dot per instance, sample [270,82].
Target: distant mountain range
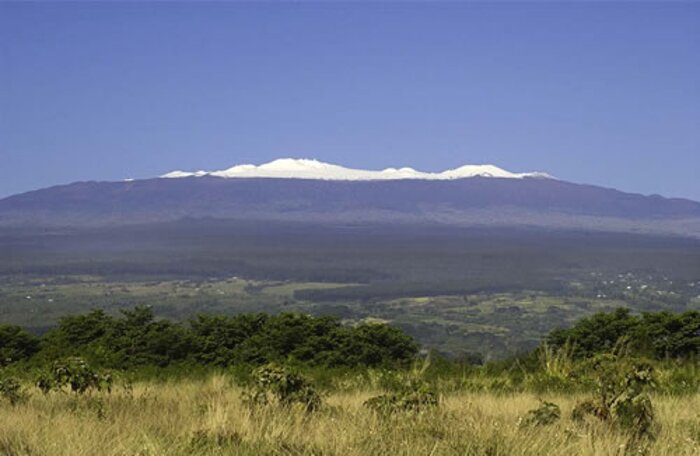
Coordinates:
[312,191]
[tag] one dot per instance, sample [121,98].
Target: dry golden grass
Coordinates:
[208,417]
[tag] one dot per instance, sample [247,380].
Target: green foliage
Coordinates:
[274,384]
[590,407]
[323,341]
[139,339]
[668,335]
[376,344]
[16,344]
[75,374]
[135,339]
[660,335]
[414,396]
[636,414]
[547,413]
[217,338]
[330,353]
[555,370]
[678,378]
[411,394]
[620,397]
[11,390]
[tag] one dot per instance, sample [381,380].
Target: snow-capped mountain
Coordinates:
[291,168]
[310,191]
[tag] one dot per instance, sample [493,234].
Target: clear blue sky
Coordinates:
[590,92]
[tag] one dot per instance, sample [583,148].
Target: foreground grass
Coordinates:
[208,417]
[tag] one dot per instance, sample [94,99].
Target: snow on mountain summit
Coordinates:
[293,168]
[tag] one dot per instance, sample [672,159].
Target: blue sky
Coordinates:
[602,93]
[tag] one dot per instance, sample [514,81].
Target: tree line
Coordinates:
[136,338]
[655,335]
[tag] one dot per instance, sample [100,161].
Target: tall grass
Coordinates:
[208,417]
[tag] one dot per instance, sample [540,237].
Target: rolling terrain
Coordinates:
[457,290]
[476,259]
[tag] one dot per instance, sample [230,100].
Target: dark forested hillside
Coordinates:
[353,253]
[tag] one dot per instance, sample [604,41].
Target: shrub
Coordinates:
[75,374]
[415,396]
[16,344]
[655,334]
[547,413]
[590,407]
[677,378]
[11,390]
[278,385]
[620,396]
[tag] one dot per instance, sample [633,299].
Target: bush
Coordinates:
[16,344]
[11,390]
[277,385]
[138,339]
[75,374]
[413,394]
[655,334]
[547,413]
[620,397]
[679,379]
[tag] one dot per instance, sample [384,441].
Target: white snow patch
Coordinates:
[292,168]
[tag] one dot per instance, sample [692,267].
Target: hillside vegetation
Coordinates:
[208,417]
[137,339]
[614,383]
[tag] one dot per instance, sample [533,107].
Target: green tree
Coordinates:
[16,344]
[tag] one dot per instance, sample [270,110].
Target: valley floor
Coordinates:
[490,324]
[208,417]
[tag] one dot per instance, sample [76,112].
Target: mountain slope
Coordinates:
[465,201]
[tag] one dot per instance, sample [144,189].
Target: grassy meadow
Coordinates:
[614,383]
[209,417]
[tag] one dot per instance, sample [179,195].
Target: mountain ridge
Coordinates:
[475,201]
